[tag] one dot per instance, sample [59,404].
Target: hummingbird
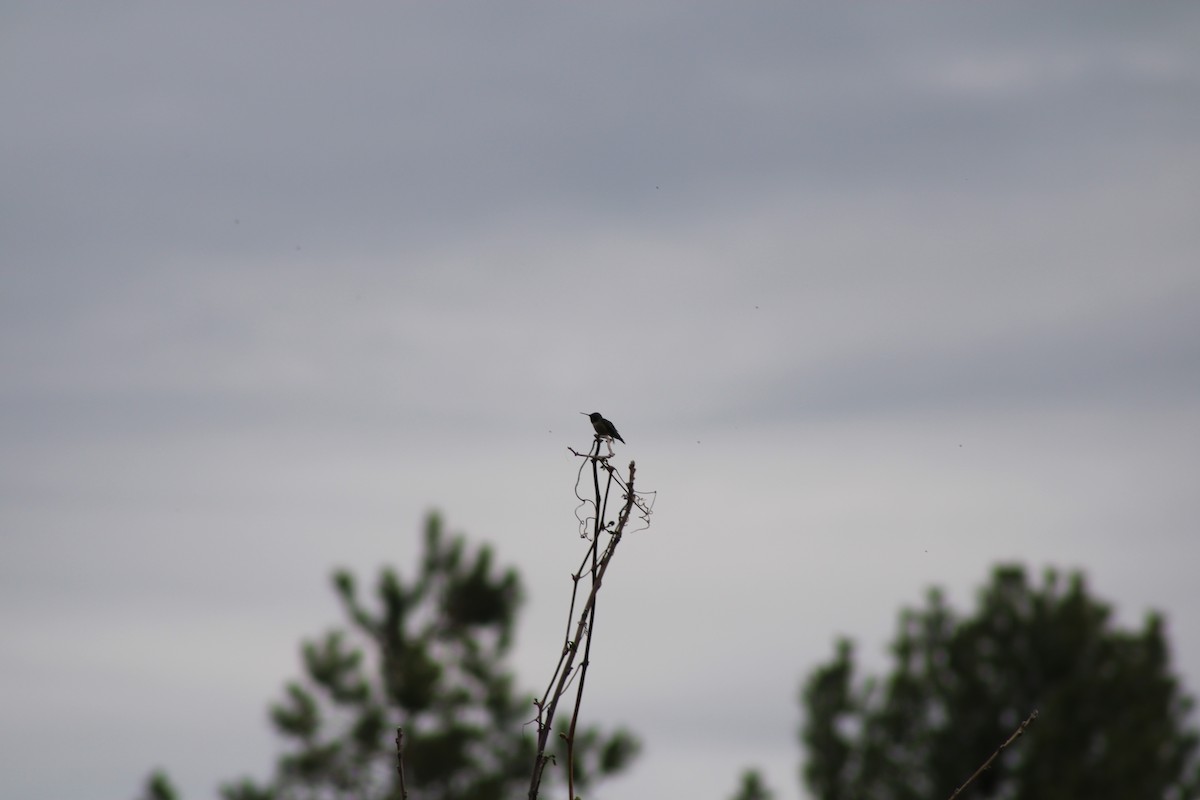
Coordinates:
[604,428]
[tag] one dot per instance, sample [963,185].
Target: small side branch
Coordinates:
[1016,735]
[400,762]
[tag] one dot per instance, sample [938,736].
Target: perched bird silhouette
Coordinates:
[603,427]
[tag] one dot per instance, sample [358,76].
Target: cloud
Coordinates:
[277,278]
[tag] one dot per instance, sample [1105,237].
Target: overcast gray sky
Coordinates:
[878,294]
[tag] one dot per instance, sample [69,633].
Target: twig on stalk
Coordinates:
[1016,735]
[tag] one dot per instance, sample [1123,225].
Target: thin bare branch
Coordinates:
[400,762]
[567,669]
[1016,735]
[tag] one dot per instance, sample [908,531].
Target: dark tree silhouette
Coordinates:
[1114,721]
[753,787]
[429,660]
[158,787]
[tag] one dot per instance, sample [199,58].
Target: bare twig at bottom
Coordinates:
[1016,735]
[400,762]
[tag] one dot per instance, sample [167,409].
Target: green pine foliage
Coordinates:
[428,657]
[1113,723]
[753,787]
[159,787]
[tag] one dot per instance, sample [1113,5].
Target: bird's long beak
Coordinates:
[584,413]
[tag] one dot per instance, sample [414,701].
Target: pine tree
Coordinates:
[1113,720]
[430,661]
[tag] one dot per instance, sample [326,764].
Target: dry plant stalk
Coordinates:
[585,625]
